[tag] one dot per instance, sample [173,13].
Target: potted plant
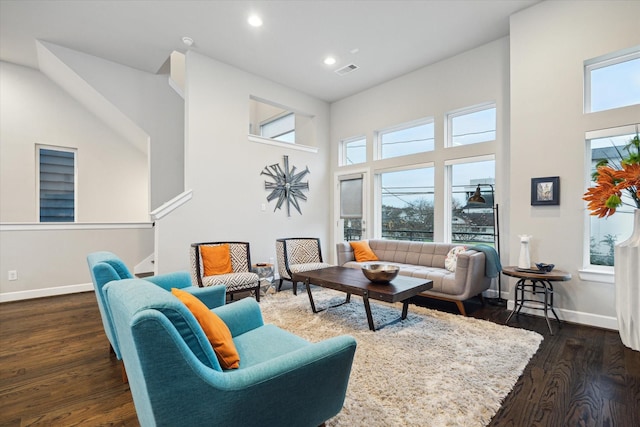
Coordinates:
[612,183]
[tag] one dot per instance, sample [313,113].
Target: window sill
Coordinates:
[591,274]
[269,141]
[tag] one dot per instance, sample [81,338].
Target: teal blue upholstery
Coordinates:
[175,379]
[106,266]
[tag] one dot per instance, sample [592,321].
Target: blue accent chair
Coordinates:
[106,266]
[176,380]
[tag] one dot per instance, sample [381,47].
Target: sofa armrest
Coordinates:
[470,271]
[178,279]
[241,316]
[344,251]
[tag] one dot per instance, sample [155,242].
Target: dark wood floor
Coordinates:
[56,370]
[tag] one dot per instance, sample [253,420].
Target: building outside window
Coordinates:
[57,184]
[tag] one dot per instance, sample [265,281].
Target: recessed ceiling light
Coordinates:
[188,41]
[330,60]
[255,21]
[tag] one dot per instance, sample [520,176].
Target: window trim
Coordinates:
[73,150]
[448,138]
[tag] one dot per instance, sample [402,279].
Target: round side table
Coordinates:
[266,274]
[535,282]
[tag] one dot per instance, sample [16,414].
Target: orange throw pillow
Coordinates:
[214,328]
[216,259]
[363,252]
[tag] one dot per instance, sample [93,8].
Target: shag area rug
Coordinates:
[432,369]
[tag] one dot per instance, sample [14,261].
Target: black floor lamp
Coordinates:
[477,199]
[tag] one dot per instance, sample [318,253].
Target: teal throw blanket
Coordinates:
[492,260]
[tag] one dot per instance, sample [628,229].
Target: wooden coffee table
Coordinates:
[352,281]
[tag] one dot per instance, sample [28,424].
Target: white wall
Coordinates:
[112,175]
[223,168]
[148,101]
[549,44]
[472,78]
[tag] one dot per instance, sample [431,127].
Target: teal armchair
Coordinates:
[176,380]
[106,266]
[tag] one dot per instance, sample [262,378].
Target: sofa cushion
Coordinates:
[451,260]
[256,346]
[362,251]
[214,328]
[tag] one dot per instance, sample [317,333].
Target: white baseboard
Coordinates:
[46,292]
[571,316]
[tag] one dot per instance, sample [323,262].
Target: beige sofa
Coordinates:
[427,260]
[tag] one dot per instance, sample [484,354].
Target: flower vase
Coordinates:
[627,282]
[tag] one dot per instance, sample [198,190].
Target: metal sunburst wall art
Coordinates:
[287,185]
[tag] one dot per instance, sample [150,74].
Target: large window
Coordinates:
[410,138]
[471,125]
[472,221]
[604,233]
[354,151]
[407,204]
[612,81]
[57,184]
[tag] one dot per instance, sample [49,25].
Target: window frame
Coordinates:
[40,147]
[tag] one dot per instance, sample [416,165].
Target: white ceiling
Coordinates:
[392,37]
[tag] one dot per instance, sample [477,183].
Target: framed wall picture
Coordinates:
[545,191]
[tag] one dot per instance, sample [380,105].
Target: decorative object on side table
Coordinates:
[524,261]
[618,184]
[545,268]
[287,185]
[545,191]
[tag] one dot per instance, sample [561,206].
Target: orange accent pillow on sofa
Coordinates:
[216,259]
[214,328]
[362,251]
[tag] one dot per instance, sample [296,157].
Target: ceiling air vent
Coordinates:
[346,69]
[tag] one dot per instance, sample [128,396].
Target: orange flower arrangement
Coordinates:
[611,181]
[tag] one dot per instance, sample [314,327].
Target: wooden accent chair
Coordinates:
[298,254]
[242,279]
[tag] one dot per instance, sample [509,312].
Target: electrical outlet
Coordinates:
[12,275]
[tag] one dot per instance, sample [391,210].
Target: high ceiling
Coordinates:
[386,39]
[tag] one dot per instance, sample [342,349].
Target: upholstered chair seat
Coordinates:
[296,255]
[237,278]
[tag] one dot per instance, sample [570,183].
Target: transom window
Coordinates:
[410,138]
[612,81]
[354,151]
[471,125]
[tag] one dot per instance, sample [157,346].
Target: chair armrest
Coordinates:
[178,279]
[241,316]
[211,296]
